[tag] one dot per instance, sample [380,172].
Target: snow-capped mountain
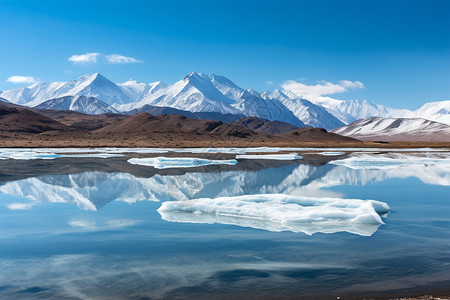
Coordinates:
[348,111]
[82,104]
[438,111]
[309,113]
[92,85]
[193,93]
[396,129]
[211,93]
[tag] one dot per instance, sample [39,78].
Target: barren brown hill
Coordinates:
[81,121]
[15,118]
[142,122]
[264,126]
[197,125]
[179,126]
[310,134]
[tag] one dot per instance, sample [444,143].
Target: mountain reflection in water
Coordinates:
[111,243]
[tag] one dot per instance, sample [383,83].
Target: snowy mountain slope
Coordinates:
[194,93]
[396,129]
[438,111]
[309,113]
[136,91]
[82,104]
[348,111]
[92,85]
[271,109]
[39,91]
[226,86]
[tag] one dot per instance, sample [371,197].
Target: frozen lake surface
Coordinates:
[111,223]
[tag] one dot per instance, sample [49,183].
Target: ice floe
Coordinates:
[178,162]
[279,212]
[332,153]
[290,156]
[389,161]
[28,155]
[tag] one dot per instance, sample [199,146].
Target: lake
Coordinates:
[206,224]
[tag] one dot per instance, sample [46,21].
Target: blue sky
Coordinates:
[398,50]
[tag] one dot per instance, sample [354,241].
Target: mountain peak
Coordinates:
[90,78]
[195,76]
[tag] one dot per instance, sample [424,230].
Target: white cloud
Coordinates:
[21,79]
[19,206]
[120,59]
[323,88]
[269,82]
[84,58]
[94,58]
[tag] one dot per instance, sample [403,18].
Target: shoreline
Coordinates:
[34,142]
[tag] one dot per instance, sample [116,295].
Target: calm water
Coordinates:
[88,228]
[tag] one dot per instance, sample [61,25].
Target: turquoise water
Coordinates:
[90,229]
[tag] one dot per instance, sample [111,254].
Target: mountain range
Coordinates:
[213,97]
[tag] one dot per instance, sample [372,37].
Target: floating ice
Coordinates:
[279,212]
[27,155]
[290,156]
[178,162]
[389,161]
[93,155]
[332,153]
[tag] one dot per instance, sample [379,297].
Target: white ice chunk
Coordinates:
[27,155]
[290,156]
[93,155]
[389,161]
[332,153]
[178,162]
[279,212]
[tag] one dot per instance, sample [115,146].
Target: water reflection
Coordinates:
[91,190]
[111,242]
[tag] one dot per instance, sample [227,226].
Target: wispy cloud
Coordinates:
[84,58]
[269,82]
[120,59]
[19,206]
[21,79]
[95,57]
[323,88]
